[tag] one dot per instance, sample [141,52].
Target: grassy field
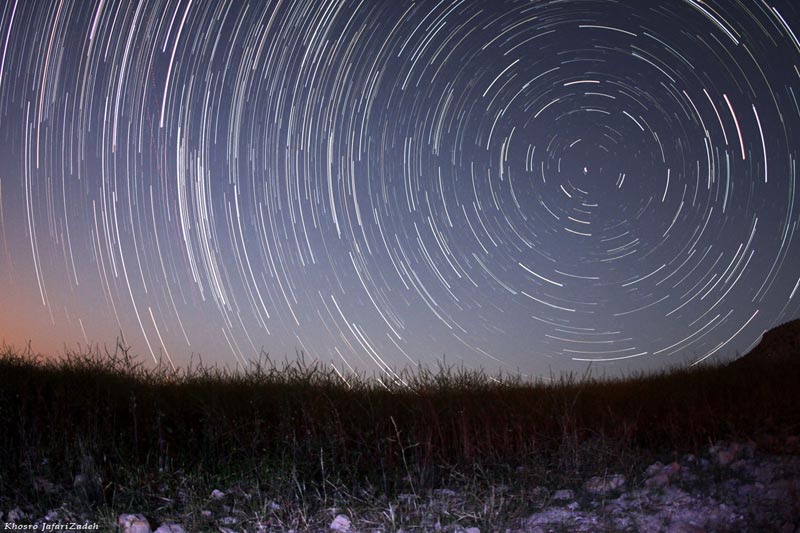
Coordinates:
[102,433]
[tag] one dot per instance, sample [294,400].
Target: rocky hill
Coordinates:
[778,345]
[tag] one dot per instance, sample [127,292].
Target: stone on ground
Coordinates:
[133,523]
[170,528]
[340,523]
[604,484]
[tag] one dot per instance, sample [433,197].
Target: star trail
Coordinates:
[523,185]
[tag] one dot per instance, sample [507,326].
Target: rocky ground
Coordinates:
[731,487]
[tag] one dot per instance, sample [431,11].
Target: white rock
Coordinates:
[124,520]
[340,523]
[15,514]
[566,519]
[726,454]
[563,494]
[138,526]
[217,494]
[604,484]
[684,527]
[657,480]
[660,475]
[133,523]
[170,528]
[654,468]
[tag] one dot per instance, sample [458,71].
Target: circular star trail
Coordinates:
[532,185]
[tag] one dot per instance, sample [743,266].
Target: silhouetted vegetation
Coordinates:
[112,426]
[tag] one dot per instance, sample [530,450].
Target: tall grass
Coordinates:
[104,416]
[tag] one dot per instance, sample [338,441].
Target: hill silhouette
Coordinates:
[780,345]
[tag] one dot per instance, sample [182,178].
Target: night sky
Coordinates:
[522,185]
